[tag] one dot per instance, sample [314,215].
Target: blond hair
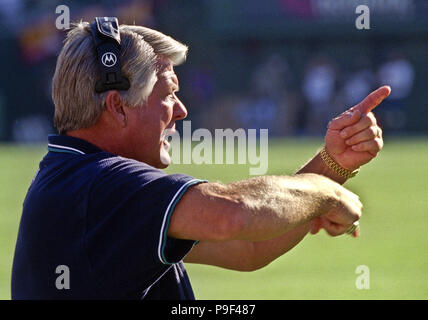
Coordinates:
[77,105]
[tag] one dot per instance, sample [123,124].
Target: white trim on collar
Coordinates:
[64,147]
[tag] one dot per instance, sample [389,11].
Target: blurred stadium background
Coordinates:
[285,65]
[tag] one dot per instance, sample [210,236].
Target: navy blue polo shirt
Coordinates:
[94,226]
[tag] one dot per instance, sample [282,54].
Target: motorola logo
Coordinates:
[109,59]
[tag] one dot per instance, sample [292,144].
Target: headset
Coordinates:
[106,36]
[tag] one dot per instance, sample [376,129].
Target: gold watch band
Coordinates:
[336,167]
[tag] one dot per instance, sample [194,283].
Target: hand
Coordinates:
[331,227]
[343,211]
[354,138]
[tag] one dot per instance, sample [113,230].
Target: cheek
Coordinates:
[158,121]
[150,122]
[158,110]
[166,112]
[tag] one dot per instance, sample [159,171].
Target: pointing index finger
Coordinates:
[373,100]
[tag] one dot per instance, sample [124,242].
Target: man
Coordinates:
[101,221]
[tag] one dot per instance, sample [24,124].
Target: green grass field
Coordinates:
[393,242]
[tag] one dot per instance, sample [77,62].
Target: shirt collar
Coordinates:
[68,144]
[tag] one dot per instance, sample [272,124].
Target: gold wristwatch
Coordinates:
[345,173]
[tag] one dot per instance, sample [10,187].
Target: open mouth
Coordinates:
[166,144]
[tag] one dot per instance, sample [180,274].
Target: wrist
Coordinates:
[325,193]
[335,167]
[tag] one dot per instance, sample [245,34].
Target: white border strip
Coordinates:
[146,291]
[166,216]
[63,147]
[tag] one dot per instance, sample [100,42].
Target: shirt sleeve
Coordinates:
[128,214]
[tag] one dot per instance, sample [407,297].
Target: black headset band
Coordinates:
[106,36]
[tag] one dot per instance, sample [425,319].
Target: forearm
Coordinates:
[242,255]
[266,251]
[269,250]
[274,205]
[253,255]
[318,166]
[280,210]
[259,208]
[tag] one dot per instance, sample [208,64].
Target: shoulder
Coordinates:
[124,175]
[117,169]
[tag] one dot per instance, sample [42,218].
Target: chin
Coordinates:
[163,162]
[161,166]
[159,162]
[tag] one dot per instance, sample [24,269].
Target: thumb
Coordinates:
[316,225]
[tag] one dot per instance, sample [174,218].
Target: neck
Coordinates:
[107,140]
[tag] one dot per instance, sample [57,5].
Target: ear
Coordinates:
[115,108]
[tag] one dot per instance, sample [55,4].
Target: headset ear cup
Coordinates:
[101,87]
[126,84]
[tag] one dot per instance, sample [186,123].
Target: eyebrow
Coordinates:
[171,80]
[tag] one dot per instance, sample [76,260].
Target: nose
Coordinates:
[180,111]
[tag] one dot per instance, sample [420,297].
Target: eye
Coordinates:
[172,95]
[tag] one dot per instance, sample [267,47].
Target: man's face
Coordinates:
[147,123]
